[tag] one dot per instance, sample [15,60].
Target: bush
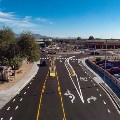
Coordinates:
[18,65]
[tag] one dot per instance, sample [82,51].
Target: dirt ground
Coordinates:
[24,70]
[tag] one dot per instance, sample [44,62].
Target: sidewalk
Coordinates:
[97,78]
[7,95]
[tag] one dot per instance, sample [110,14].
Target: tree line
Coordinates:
[90,38]
[14,50]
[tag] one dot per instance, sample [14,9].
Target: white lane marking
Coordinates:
[97,89]
[100,95]
[8,108]
[85,72]
[104,102]
[89,77]
[11,118]
[1,119]
[16,108]
[24,92]
[14,100]
[108,110]
[27,87]
[78,91]
[21,99]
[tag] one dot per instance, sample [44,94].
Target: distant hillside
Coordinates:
[37,36]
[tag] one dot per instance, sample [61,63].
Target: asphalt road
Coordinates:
[63,97]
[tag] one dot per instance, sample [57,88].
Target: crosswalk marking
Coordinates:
[44,58]
[59,59]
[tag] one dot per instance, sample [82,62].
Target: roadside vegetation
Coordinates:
[14,50]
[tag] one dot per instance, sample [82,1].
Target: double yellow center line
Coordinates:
[40,102]
[59,92]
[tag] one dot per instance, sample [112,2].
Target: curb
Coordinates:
[35,70]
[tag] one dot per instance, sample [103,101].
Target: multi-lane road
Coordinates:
[63,97]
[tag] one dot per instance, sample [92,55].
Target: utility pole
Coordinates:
[105,59]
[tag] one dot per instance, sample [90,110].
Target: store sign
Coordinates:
[113,57]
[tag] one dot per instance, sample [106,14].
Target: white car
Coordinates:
[117,75]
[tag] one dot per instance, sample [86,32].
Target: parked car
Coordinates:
[44,63]
[1,68]
[103,61]
[113,70]
[51,52]
[117,75]
[108,65]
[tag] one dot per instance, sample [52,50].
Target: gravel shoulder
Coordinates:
[21,73]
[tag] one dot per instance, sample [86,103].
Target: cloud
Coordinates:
[12,20]
[16,23]
[19,23]
[6,15]
[43,20]
[27,18]
[51,23]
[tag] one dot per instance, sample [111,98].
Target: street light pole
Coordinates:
[95,49]
[105,59]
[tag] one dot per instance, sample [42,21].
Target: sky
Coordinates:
[63,18]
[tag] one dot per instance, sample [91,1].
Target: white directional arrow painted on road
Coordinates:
[83,78]
[70,95]
[91,98]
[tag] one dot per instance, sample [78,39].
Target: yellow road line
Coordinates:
[40,102]
[59,91]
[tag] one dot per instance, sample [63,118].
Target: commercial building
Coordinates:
[100,44]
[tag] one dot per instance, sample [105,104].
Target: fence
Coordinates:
[111,77]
